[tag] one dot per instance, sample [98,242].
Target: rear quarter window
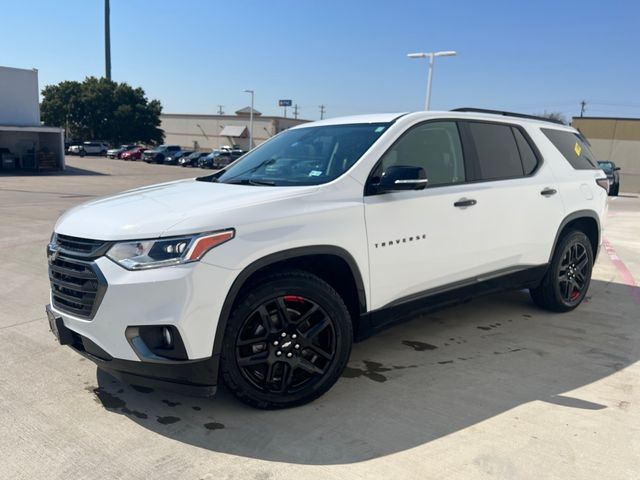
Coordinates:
[573,148]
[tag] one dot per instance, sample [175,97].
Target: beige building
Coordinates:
[207,132]
[618,140]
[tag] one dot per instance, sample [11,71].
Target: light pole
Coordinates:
[107,41]
[251,119]
[430,56]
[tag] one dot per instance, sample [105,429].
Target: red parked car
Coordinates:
[133,154]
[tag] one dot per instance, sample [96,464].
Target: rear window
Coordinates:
[497,152]
[573,148]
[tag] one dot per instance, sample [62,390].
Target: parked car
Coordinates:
[174,157]
[133,154]
[262,274]
[206,161]
[227,157]
[192,160]
[7,159]
[88,148]
[117,152]
[612,175]
[158,154]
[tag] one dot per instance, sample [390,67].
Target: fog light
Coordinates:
[167,337]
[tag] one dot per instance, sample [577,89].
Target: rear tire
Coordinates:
[287,341]
[615,190]
[567,280]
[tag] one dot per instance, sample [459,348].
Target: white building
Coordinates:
[207,132]
[24,143]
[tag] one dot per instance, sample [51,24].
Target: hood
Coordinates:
[158,210]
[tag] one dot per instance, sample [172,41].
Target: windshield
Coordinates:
[304,156]
[606,166]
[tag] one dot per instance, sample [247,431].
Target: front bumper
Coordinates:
[197,377]
[188,297]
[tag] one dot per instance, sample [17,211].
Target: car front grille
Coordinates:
[80,246]
[77,286]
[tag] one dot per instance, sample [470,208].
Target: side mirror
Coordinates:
[616,169]
[402,177]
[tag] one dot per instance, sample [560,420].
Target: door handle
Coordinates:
[465,202]
[547,192]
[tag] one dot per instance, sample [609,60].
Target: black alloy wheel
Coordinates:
[287,341]
[573,272]
[567,280]
[285,345]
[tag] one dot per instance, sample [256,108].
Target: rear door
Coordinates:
[516,193]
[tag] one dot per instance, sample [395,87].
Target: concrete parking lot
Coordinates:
[494,388]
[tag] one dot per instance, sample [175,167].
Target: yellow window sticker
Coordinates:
[577,149]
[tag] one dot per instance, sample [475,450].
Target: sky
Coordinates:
[349,55]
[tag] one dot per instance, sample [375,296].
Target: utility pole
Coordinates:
[295,111]
[107,41]
[583,104]
[220,111]
[322,110]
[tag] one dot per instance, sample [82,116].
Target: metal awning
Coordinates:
[234,131]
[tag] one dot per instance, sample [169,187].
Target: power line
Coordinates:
[322,110]
[220,111]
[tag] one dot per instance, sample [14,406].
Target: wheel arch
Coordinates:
[320,260]
[586,221]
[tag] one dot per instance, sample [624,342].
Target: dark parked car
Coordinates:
[206,161]
[612,175]
[157,155]
[192,160]
[221,158]
[227,157]
[174,157]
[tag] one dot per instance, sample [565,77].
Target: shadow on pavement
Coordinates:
[67,172]
[414,383]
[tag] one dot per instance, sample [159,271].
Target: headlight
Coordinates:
[162,252]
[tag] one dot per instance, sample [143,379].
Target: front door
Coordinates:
[423,239]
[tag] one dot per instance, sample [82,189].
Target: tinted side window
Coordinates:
[529,159]
[573,148]
[497,152]
[434,146]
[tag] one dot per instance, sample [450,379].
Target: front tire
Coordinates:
[287,341]
[566,283]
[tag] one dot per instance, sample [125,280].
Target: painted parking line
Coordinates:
[623,271]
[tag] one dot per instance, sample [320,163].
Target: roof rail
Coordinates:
[506,114]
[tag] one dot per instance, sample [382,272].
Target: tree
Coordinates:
[556,116]
[100,109]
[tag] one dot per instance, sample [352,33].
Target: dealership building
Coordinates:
[617,140]
[24,143]
[213,131]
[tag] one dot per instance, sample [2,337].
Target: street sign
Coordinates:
[284,103]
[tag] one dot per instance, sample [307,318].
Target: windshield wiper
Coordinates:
[251,181]
[268,183]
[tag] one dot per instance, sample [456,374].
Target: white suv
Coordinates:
[89,148]
[264,273]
